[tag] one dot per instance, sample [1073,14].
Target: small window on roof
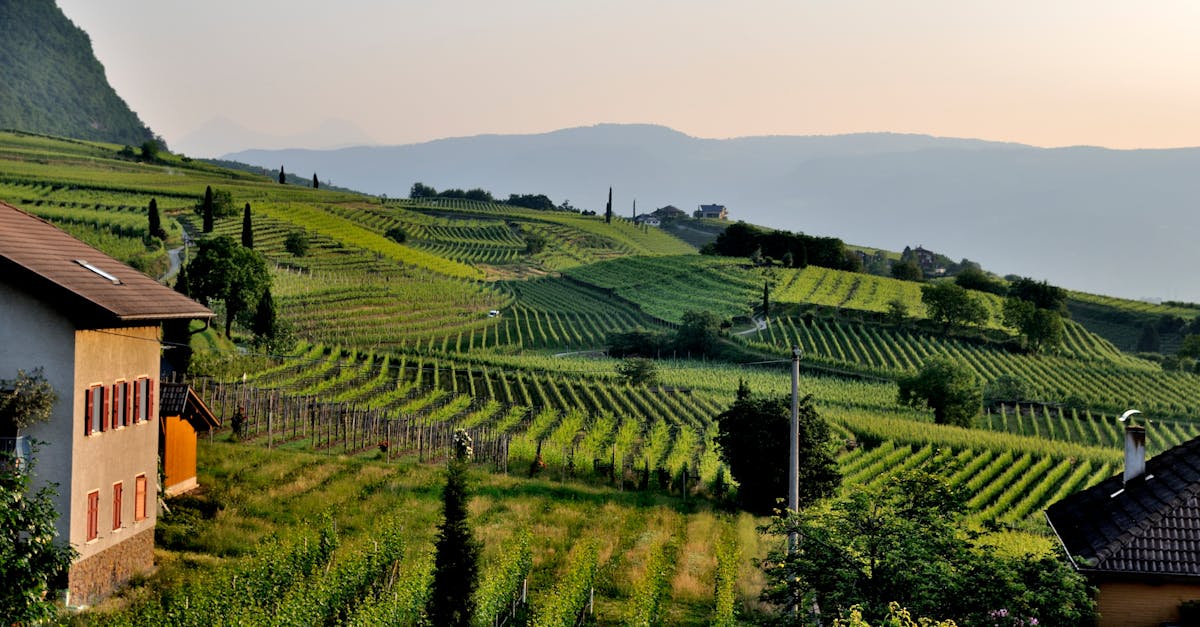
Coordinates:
[84,263]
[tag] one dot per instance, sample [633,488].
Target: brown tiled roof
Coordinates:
[1148,526]
[47,261]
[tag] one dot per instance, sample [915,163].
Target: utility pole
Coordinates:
[794,459]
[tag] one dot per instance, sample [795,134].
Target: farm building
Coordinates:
[716,212]
[648,220]
[183,415]
[670,212]
[93,324]
[1136,536]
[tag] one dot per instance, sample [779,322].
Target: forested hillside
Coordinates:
[53,84]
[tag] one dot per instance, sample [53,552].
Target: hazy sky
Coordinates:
[1050,73]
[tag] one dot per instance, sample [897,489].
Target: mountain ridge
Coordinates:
[1098,219]
[53,83]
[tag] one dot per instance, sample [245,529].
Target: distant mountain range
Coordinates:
[1118,222]
[219,135]
[51,82]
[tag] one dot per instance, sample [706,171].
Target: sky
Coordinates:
[1066,72]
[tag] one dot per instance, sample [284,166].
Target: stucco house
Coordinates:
[648,220]
[716,212]
[1136,536]
[93,324]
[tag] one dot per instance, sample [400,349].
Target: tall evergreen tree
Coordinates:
[766,301]
[456,563]
[156,228]
[316,183]
[208,210]
[608,208]
[247,228]
[263,324]
[282,176]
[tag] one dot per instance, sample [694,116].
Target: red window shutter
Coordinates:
[149,399]
[89,400]
[117,489]
[139,498]
[104,401]
[93,520]
[115,416]
[130,416]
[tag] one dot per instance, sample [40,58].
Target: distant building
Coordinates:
[1136,536]
[648,220]
[926,259]
[715,212]
[669,212]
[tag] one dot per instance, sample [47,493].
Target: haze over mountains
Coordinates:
[1118,222]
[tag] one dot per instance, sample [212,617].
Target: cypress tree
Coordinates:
[208,210]
[456,563]
[282,176]
[766,302]
[316,183]
[181,282]
[156,229]
[608,207]
[247,228]
[263,323]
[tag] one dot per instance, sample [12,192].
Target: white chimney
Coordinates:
[1135,452]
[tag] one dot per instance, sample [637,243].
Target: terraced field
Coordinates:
[401,339]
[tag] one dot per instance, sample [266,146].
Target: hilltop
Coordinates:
[53,83]
[1102,221]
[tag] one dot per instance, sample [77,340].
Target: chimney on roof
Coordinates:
[1135,452]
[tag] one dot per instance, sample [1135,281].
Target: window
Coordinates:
[93,420]
[117,488]
[119,413]
[145,399]
[93,519]
[139,498]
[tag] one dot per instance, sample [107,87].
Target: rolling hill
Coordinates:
[1116,222]
[397,347]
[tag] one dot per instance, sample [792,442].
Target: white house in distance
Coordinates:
[93,324]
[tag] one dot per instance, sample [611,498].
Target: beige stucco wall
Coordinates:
[1140,604]
[104,357]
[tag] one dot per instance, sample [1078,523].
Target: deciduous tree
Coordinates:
[296,242]
[952,305]
[1042,328]
[638,371]
[905,541]
[234,274]
[946,386]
